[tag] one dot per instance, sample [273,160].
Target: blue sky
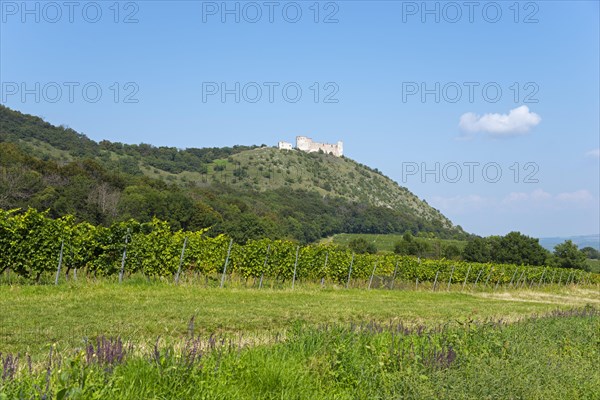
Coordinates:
[447,87]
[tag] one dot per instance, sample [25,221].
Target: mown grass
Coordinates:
[33,317]
[549,357]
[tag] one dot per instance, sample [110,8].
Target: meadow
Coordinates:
[154,339]
[386,242]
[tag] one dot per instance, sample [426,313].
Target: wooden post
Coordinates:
[520,277]
[295,266]
[226,262]
[489,276]
[435,281]
[122,272]
[372,274]
[324,269]
[542,277]
[560,277]
[62,246]
[498,282]
[394,276]
[553,275]
[181,260]
[499,279]
[262,275]
[531,283]
[478,275]
[513,277]
[450,280]
[466,277]
[524,282]
[417,283]
[572,277]
[350,271]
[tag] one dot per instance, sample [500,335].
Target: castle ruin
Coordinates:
[306,144]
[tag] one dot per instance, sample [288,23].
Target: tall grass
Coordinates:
[553,356]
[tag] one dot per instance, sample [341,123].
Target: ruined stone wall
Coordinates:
[306,144]
[284,146]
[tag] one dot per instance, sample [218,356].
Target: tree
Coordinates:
[451,252]
[477,250]
[362,246]
[567,255]
[591,252]
[513,248]
[411,246]
[405,246]
[516,248]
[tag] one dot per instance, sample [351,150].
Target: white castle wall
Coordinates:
[306,144]
[284,146]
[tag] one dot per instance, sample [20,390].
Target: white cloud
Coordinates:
[518,121]
[515,197]
[537,195]
[593,153]
[580,196]
[540,197]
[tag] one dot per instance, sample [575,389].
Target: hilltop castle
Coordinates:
[306,144]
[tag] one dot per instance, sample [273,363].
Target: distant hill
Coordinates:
[581,241]
[260,190]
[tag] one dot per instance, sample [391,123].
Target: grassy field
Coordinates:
[386,243]
[36,316]
[138,340]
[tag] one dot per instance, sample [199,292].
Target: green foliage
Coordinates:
[362,246]
[513,248]
[410,246]
[30,242]
[567,255]
[203,254]
[245,192]
[591,253]
[436,247]
[155,250]
[477,250]
[451,252]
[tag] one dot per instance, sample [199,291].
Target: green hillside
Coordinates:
[270,168]
[246,191]
[386,243]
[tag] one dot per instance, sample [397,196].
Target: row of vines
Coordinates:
[32,244]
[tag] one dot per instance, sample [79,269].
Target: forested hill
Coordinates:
[245,191]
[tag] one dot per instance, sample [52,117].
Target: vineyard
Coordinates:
[33,246]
